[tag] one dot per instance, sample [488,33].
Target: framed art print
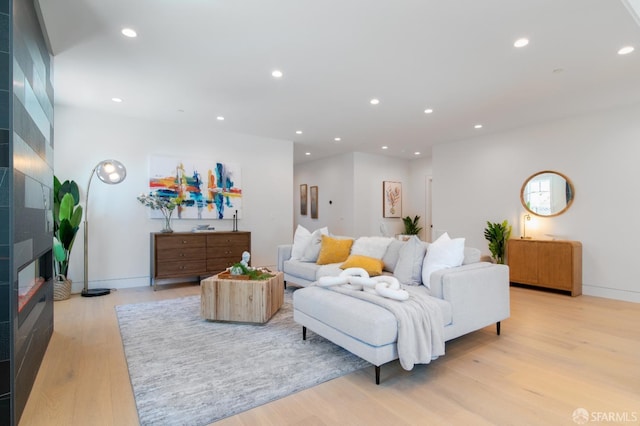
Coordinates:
[391,199]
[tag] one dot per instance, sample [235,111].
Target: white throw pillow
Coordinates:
[409,265]
[312,250]
[301,239]
[371,246]
[443,253]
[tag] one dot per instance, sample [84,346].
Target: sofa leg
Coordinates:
[377,374]
[304,333]
[285,285]
[498,327]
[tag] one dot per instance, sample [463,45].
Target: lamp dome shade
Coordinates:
[111,171]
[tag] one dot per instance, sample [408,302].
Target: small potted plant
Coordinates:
[497,234]
[67,215]
[411,227]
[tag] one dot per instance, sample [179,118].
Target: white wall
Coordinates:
[370,171]
[119,225]
[353,184]
[479,180]
[334,178]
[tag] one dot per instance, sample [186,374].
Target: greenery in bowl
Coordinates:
[253,274]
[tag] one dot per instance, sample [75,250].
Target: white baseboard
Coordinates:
[120,283]
[611,293]
[77,286]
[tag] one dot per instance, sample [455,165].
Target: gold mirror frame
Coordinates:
[569,191]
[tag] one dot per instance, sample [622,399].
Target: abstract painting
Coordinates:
[391,199]
[303,199]
[209,189]
[313,194]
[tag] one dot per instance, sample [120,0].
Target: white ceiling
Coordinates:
[196,59]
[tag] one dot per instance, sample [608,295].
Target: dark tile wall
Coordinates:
[6,314]
[26,186]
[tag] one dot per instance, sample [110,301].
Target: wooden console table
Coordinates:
[552,264]
[223,299]
[192,254]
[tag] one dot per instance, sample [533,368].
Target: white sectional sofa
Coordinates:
[471,296]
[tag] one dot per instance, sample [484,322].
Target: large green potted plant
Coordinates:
[67,215]
[497,234]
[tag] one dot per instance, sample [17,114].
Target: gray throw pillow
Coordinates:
[408,270]
[392,254]
[471,255]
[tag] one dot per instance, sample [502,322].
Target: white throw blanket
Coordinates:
[420,323]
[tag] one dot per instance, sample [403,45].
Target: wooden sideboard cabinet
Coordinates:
[190,254]
[552,264]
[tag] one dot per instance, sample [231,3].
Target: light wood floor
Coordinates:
[556,354]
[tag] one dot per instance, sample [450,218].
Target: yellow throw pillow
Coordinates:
[370,264]
[333,250]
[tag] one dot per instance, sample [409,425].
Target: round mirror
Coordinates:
[547,193]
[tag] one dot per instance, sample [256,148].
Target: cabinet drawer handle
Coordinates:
[181,254]
[184,241]
[182,267]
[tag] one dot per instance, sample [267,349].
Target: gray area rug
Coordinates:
[188,371]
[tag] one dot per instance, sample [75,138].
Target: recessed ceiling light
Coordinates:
[428,111]
[626,50]
[220,118]
[307,153]
[128,32]
[337,139]
[385,147]
[521,42]
[298,132]
[277,74]
[117,100]
[478,126]
[557,70]
[374,101]
[416,153]
[180,110]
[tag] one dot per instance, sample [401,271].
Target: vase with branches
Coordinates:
[166,206]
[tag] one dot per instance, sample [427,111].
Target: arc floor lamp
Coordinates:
[111,172]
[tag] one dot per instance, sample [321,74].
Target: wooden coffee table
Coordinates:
[252,301]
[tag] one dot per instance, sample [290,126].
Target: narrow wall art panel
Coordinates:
[303,199]
[313,194]
[210,189]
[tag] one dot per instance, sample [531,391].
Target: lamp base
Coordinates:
[95,292]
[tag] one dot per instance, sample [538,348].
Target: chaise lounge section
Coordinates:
[471,296]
